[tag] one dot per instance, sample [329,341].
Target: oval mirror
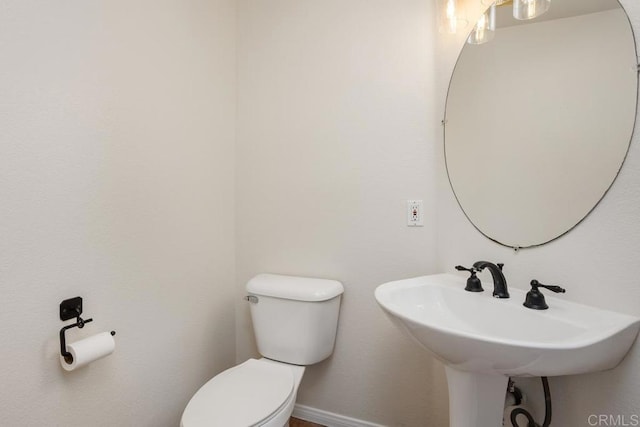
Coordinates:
[539,119]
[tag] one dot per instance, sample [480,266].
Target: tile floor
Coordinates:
[295,422]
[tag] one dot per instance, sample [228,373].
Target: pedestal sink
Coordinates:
[483,340]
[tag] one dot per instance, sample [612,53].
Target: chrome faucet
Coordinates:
[499,281]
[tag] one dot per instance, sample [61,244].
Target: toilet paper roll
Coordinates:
[88,350]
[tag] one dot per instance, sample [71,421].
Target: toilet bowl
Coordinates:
[254,393]
[295,321]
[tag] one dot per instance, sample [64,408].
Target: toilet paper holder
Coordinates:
[69,309]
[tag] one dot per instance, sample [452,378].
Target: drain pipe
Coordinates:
[547,408]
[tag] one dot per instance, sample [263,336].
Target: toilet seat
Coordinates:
[243,396]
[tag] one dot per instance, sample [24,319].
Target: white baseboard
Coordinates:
[328,419]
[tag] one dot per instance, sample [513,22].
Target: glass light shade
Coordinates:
[451,16]
[529,9]
[485,28]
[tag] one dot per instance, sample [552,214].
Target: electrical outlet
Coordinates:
[414,213]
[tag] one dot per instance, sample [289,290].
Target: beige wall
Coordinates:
[116,184]
[335,122]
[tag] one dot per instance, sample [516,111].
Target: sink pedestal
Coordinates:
[475,400]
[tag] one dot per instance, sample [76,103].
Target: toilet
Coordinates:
[295,321]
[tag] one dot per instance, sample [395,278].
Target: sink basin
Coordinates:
[483,340]
[475,332]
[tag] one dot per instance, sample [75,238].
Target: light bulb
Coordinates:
[451,16]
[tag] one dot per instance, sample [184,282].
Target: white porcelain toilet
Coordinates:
[295,321]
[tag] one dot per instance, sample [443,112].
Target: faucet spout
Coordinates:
[499,281]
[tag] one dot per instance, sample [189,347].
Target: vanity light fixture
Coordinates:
[451,17]
[529,9]
[485,28]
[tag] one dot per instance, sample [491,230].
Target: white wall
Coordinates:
[594,262]
[116,184]
[334,108]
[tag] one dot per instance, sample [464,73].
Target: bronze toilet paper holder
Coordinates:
[69,309]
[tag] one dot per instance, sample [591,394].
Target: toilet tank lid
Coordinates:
[294,288]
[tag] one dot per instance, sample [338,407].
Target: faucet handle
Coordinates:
[554,288]
[473,282]
[535,298]
[471,270]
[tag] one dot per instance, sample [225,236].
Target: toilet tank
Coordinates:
[294,318]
